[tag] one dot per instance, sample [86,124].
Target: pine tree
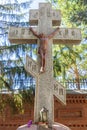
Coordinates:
[13,74]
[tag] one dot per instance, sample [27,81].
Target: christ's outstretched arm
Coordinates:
[53,33]
[35,33]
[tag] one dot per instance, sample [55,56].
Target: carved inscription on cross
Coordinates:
[46,86]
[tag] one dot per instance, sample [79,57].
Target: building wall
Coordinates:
[73,115]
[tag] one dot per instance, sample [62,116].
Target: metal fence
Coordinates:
[72,84]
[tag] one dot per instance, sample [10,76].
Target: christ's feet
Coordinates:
[41,69]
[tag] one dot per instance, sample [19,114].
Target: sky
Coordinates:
[35,3]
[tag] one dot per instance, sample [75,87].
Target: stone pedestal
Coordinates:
[55,126]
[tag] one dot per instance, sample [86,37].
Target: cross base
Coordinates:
[55,126]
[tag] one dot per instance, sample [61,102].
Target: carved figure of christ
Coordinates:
[43,45]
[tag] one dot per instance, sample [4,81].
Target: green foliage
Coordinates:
[27,96]
[15,103]
[12,15]
[2,104]
[12,56]
[71,62]
[65,59]
[72,10]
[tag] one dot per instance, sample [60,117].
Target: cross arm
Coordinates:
[31,66]
[65,36]
[59,91]
[21,35]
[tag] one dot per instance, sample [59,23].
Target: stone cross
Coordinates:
[46,86]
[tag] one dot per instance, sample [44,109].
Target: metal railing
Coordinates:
[72,84]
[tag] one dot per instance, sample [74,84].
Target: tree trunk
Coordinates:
[77,79]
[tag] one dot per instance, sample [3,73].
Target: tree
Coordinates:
[11,56]
[12,72]
[72,60]
[66,59]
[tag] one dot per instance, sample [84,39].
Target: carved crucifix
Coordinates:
[46,85]
[44,39]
